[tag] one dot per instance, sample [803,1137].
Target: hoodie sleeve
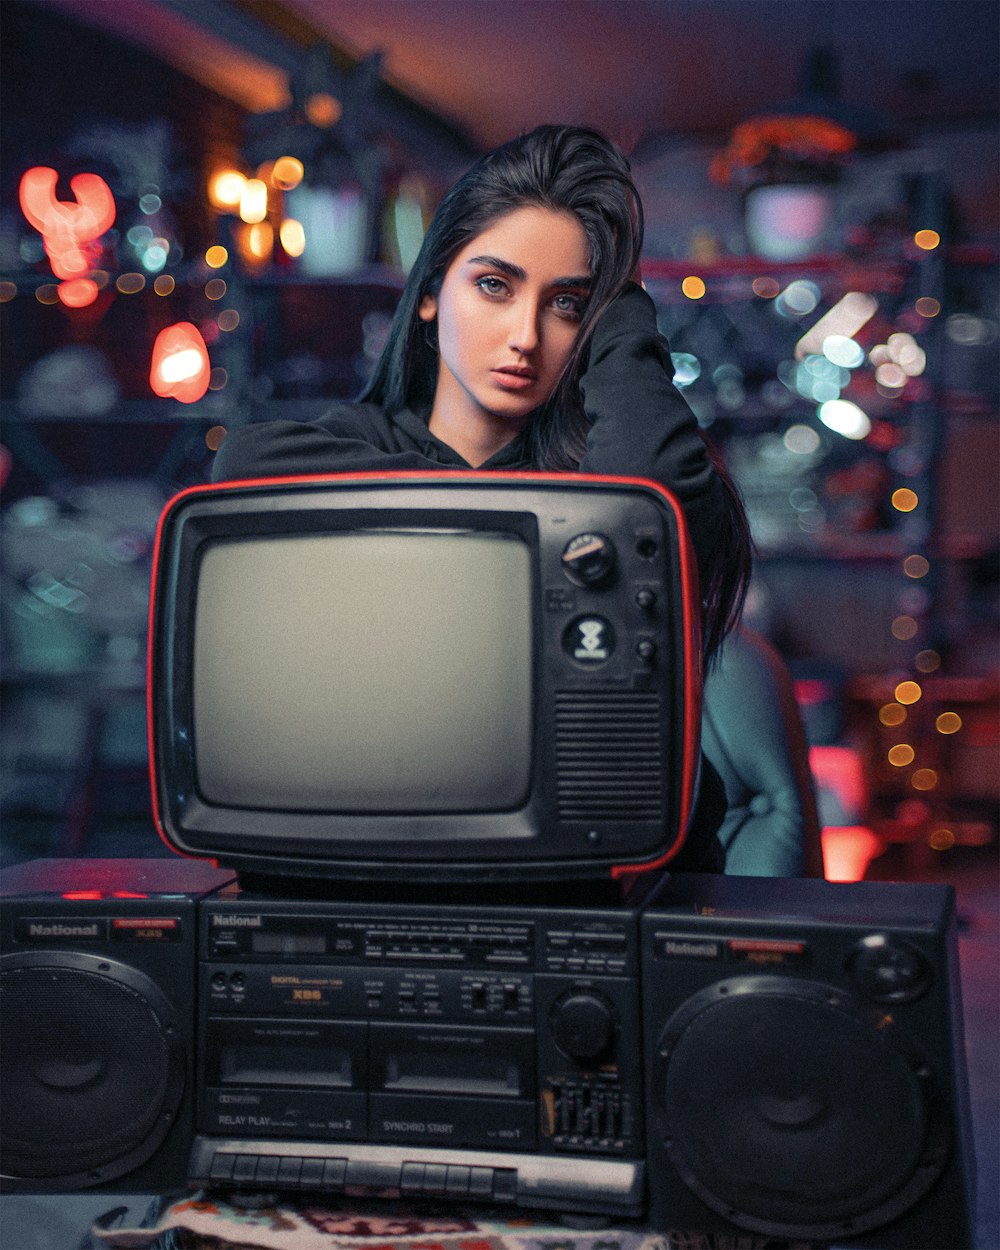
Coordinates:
[640,424]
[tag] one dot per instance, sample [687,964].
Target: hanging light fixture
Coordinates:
[788,159]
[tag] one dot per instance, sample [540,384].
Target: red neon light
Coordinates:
[180,368]
[69,228]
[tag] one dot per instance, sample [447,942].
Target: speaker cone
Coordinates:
[792,1109]
[93,1068]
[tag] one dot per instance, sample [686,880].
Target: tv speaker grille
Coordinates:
[609,756]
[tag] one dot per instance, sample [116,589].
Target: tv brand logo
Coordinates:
[590,640]
[237,922]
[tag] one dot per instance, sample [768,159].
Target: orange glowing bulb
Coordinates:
[226,188]
[904,499]
[180,367]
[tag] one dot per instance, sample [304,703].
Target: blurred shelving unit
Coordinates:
[856,402]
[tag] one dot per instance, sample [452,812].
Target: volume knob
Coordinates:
[589,559]
[583,1026]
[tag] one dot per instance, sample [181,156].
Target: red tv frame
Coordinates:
[425,677]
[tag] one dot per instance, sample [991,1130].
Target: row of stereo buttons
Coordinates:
[282,1171]
[310,1172]
[457,1180]
[592,963]
[566,939]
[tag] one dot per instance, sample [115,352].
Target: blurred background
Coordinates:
[208,211]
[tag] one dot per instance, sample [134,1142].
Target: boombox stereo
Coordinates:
[99,961]
[734,1055]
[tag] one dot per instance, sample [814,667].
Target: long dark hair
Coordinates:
[568,168]
[577,170]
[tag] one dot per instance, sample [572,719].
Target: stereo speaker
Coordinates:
[805,1073]
[97,974]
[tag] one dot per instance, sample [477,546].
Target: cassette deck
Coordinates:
[481,1051]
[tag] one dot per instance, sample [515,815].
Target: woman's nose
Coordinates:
[524,328]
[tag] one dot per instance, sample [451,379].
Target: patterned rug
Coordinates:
[203,1222]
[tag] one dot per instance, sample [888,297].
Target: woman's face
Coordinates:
[508,314]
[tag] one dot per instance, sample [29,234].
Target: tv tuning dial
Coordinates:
[583,1025]
[589,559]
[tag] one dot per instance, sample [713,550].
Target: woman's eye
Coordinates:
[569,305]
[491,286]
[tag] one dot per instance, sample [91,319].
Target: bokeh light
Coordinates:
[253,201]
[287,172]
[845,418]
[904,499]
[916,566]
[904,628]
[765,288]
[292,236]
[225,189]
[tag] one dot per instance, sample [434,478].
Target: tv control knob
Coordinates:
[589,559]
[583,1025]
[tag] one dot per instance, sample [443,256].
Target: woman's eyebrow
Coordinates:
[502,266]
[510,270]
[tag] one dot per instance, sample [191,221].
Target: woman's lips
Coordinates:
[513,379]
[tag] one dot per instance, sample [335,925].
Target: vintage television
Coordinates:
[438,677]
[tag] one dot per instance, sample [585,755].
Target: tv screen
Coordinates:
[439,677]
[371,671]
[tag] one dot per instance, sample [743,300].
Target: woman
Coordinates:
[523,341]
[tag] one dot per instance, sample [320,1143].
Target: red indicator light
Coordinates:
[760,946]
[144,922]
[79,896]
